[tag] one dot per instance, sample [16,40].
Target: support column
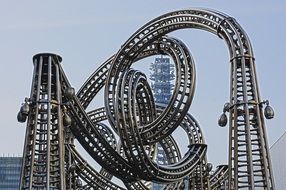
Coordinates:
[43,156]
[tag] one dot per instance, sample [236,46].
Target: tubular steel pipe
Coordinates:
[126,149]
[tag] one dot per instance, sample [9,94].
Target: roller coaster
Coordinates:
[122,136]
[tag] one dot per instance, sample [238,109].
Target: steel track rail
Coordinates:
[131,112]
[219,177]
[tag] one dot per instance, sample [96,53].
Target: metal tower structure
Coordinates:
[43,156]
[162,73]
[56,116]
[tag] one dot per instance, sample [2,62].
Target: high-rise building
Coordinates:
[278,157]
[10,171]
[162,75]
[161,159]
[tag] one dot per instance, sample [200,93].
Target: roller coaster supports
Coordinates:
[44,161]
[43,156]
[249,158]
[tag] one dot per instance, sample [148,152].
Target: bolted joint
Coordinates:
[72,168]
[25,109]
[226,107]
[78,183]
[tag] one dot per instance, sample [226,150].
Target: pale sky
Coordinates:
[86,34]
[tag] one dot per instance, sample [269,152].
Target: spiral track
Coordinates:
[126,148]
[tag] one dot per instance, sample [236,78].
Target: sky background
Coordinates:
[86,33]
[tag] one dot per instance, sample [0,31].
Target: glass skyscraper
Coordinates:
[10,170]
[278,156]
[162,73]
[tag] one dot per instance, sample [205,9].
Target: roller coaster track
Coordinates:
[51,161]
[191,127]
[218,177]
[123,169]
[86,172]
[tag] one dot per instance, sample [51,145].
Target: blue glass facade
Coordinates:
[278,156]
[162,75]
[10,170]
